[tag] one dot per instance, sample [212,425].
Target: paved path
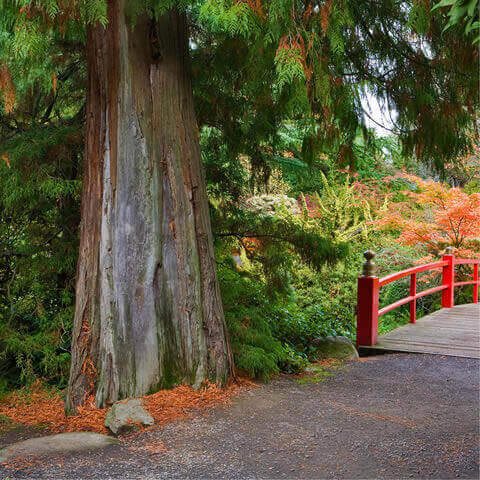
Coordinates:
[449,331]
[389,417]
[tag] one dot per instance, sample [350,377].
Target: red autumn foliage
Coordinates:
[7,162]
[8,88]
[436,216]
[255,5]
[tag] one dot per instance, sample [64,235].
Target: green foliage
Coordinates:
[288,62]
[327,301]
[473,186]
[299,327]
[280,237]
[227,179]
[318,374]
[39,215]
[247,307]
[462,12]
[321,304]
[272,336]
[263,65]
[234,19]
[327,60]
[338,212]
[419,19]
[41,154]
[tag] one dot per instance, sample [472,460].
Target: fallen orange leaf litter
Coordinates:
[37,406]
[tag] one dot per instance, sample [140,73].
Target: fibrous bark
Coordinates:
[148,308]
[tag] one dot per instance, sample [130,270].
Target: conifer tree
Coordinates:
[148,307]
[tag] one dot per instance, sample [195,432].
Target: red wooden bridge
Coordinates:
[453,330]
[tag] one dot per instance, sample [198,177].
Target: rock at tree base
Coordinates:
[54,444]
[125,416]
[335,347]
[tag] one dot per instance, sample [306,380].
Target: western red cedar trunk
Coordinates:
[148,309]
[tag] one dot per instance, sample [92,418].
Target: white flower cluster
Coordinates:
[273,205]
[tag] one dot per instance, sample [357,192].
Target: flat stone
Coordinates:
[127,416]
[335,347]
[54,444]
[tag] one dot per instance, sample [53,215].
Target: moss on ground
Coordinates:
[319,372]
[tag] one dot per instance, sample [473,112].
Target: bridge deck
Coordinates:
[450,331]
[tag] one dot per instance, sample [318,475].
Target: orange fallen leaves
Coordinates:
[157,448]
[38,406]
[41,407]
[167,405]
[32,461]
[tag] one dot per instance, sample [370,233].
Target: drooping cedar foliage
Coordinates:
[462,13]
[41,145]
[317,59]
[262,61]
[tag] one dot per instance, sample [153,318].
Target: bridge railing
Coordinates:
[369,285]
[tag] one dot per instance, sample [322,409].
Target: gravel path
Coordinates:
[391,417]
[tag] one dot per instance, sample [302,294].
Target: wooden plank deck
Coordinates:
[449,331]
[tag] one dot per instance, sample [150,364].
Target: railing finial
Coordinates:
[369,267]
[449,251]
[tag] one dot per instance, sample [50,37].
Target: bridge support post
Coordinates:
[475,285]
[367,303]
[448,279]
[413,292]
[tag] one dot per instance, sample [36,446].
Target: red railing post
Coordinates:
[413,292]
[367,303]
[448,279]
[475,285]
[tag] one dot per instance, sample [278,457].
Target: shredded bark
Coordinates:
[39,406]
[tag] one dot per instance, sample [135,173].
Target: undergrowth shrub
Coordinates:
[256,351]
[262,331]
[299,327]
[39,217]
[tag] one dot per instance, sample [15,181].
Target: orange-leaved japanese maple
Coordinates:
[435,216]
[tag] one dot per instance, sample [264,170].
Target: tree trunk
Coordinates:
[148,308]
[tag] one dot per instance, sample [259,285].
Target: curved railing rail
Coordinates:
[369,289]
